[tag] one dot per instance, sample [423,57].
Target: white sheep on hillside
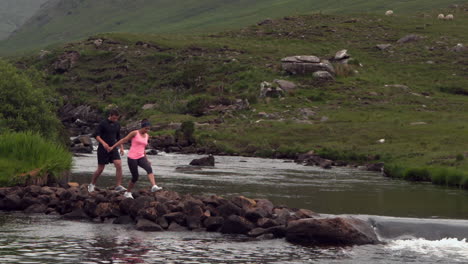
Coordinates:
[389,13]
[449,17]
[441,16]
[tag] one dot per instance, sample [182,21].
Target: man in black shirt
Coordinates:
[107,134]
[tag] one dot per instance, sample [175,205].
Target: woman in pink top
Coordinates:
[137,156]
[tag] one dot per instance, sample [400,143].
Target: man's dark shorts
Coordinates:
[105,157]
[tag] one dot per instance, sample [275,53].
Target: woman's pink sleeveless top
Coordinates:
[137,150]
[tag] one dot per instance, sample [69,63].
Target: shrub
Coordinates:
[197,104]
[26,104]
[27,157]
[454,90]
[417,174]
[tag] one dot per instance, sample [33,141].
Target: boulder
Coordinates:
[205,161]
[375,167]
[303,65]
[123,220]
[177,217]
[228,209]
[323,76]
[213,223]
[235,224]
[36,209]
[286,86]
[267,223]
[409,38]
[77,214]
[336,231]
[176,227]
[86,141]
[459,48]
[269,90]
[256,232]
[243,202]
[341,55]
[11,202]
[140,203]
[147,225]
[265,205]
[98,42]
[304,213]
[383,46]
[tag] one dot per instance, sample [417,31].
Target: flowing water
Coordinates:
[420,223]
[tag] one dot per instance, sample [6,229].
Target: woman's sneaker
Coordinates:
[155,188]
[120,188]
[128,195]
[91,187]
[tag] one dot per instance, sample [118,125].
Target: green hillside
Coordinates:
[68,20]
[13,13]
[412,95]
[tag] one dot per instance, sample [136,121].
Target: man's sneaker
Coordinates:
[120,188]
[128,195]
[91,187]
[155,188]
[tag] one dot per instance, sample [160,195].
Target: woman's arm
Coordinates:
[125,139]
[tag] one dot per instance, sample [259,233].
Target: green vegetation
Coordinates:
[402,107]
[437,175]
[26,103]
[27,157]
[70,20]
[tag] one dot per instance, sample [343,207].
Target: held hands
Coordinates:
[122,152]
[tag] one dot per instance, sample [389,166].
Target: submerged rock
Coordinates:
[205,161]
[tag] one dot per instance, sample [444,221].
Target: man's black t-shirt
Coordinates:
[109,132]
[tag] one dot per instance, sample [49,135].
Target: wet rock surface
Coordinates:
[171,211]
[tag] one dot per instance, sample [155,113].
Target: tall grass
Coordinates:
[439,176]
[26,157]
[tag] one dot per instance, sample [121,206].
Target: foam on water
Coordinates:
[451,248]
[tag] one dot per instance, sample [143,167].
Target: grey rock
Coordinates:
[409,38]
[147,225]
[323,76]
[459,48]
[302,58]
[383,46]
[341,55]
[285,85]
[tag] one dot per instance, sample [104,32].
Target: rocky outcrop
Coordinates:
[167,210]
[79,120]
[66,61]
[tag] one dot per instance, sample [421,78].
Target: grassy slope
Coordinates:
[360,109]
[13,13]
[71,20]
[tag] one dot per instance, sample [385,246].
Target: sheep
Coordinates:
[441,17]
[389,13]
[449,17]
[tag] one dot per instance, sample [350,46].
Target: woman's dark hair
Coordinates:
[145,123]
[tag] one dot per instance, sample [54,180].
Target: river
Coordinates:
[421,223]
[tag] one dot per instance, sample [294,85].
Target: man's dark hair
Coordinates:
[114,112]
